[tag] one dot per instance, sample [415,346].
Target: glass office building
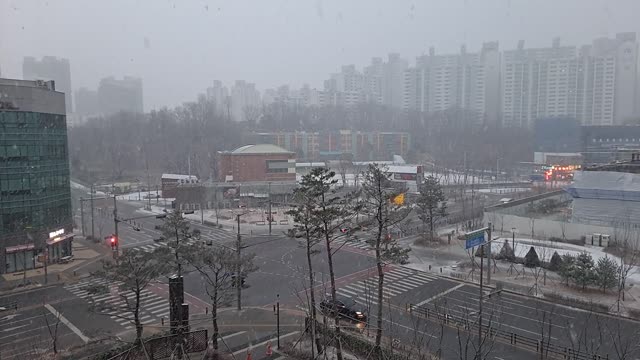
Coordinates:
[35,197]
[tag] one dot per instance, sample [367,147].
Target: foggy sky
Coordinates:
[273,42]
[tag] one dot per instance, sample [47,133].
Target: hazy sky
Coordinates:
[180,47]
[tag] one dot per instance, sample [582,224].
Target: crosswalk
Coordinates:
[396,282]
[153,307]
[360,244]
[209,236]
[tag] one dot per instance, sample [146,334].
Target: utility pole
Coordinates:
[488,256]
[278,319]
[82,215]
[92,232]
[238,275]
[115,226]
[270,218]
[480,304]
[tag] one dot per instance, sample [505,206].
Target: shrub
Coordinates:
[506,253]
[531,259]
[556,262]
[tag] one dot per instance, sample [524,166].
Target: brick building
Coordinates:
[262,162]
[334,145]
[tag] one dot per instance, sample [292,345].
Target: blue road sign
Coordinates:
[474,241]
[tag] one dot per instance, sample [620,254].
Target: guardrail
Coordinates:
[549,349]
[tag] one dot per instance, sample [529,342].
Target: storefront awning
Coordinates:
[17,248]
[59,239]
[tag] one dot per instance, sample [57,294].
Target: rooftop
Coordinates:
[179,177]
[260,149]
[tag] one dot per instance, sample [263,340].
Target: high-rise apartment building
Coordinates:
[596,85]
[372,81]
[243,97]
[120,95]
[466,80]
[393,81]
[35,195]
[50,68]
[219,94]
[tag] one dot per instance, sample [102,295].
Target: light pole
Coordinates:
[239,266]
[513,239]
[270,217]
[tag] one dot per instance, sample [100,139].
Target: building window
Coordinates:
[277,166]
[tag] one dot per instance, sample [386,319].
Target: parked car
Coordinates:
[344,307]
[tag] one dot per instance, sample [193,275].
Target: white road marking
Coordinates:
[68,323]
[440,295]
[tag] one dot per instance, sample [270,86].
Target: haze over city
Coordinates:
[179,48]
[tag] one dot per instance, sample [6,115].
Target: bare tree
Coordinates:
[216,266]
[52,329]
[132,273]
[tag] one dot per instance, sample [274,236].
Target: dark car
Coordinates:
[344,307]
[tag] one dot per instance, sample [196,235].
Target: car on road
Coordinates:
[344,307]
[159,239]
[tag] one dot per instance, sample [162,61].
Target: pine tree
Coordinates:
[432,204]
[506,253]
[566,267]
[583,270]
[531,259]
[607,271]
[555,264]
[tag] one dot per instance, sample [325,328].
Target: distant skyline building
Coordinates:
[244,97]
[116,95]
[219,94]
[466,80]
[597,85]
[50,68]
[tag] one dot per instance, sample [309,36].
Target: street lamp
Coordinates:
[238,249]
[513,239]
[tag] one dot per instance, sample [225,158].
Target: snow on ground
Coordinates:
[545,250]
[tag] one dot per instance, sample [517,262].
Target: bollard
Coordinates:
[429,267]
[162,321]
[206,310]
[440,270]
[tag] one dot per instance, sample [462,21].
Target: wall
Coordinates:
[543,228]
[253,167]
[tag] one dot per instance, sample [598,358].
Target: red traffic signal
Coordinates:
[113,240]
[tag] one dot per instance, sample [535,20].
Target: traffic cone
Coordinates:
[269,351]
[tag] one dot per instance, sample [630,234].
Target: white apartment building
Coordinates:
[596,85]
[243,96]
[372,82]
[219,94]
[466,80]
[393,81]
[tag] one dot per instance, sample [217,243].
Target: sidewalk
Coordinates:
[84,252]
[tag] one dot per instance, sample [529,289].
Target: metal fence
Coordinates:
[548,349]
[162,347]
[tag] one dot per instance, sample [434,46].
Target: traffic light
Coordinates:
[113,241]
